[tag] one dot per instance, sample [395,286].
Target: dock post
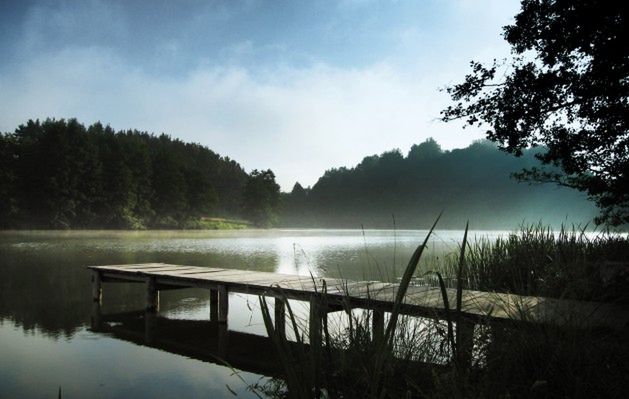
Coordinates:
[96,318]
[315,322]
[223,304]
[223,340]
[498,342]
[464,343]
[150,325]
[213,305]
[152,295]
[280,316]
[97,300]
[377,324]
[97,289]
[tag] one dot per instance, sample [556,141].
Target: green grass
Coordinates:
[541,262]
[209,223]
[423,359]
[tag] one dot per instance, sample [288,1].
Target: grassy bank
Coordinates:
[421,358]
[209,223]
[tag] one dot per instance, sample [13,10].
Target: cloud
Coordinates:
[49,25]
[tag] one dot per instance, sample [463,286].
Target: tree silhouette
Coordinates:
[566,88]
[261,198]
[470,183]
[60,174]
[7,181]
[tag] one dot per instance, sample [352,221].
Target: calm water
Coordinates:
[46,340]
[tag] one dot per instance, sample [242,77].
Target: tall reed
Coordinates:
[420,358]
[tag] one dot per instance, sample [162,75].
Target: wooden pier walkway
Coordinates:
[330,294]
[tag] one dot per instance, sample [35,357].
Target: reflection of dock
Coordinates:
[208,341]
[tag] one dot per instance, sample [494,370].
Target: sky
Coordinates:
[295,86]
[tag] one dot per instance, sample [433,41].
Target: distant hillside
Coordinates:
[61,174]
[472,183]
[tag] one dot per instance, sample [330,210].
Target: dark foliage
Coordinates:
[60,174]
[261,198]
[472,183]
[566,87]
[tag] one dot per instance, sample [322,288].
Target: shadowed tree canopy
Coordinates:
[261,198]
[566,88]
[470,183]
[61,174]
[429,149]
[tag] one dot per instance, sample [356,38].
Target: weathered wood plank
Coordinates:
[200,270]
[166,271]
[306,285]
[370,289]
[135,266]
[233,274]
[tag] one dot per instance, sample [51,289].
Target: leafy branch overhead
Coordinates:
[566,89]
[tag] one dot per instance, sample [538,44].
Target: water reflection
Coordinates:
[45,306]
[204,340]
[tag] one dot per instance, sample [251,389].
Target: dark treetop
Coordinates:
[566,87]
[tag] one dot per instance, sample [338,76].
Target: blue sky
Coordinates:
[295,86]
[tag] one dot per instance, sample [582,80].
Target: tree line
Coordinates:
[472,183]
[62,174]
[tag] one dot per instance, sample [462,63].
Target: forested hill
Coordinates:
[473,184]
[61,174]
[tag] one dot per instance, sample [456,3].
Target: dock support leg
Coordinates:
[315,322]
[464,343]
[377,325]
[223,304]
[96,318]
[150,325]
[97,300]
[497,344]
[213,305]
[280,316]
[97,289]
[152,295]
[223,340]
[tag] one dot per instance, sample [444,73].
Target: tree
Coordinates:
[565,89]
[169,185]
[261,198]
[54,165]
[299,193]
[8,204]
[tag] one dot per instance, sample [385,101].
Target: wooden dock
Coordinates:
[330,294]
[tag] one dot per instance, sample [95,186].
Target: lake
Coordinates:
[46,339]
